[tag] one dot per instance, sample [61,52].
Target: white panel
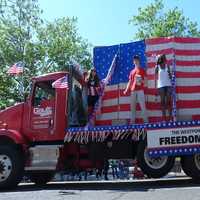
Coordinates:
[172,137]
[158,47]
[187,46]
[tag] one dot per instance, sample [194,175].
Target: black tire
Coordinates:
[147,168]
[15,168]
[41,178]
[191,166]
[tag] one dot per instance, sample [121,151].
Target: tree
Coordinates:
[61,43]
[154,21]
[43,46]
[18,22]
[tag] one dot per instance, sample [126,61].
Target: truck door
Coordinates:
[43,110]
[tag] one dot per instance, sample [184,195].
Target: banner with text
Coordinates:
[182,140]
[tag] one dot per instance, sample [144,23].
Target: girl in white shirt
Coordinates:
[163,84]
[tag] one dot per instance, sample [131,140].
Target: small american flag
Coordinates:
[61,83]
[16,69]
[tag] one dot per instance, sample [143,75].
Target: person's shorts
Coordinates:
[167,90]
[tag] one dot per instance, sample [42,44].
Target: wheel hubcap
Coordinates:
[197,160]
[155,163]
[5,167]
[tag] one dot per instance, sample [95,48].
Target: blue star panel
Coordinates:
[178,151]
[103,56]
[138,126]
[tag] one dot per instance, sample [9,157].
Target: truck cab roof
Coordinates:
[50,76]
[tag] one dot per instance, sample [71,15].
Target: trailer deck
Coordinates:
[163,138]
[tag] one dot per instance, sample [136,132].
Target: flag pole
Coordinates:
[118,87]
[22,91]
[174,108]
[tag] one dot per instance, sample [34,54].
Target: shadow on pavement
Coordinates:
[141,185]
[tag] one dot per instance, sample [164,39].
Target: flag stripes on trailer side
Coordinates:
[187,53]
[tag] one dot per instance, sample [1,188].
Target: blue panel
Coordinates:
[103,56]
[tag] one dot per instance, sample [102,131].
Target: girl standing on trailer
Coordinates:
[93,84]
[163,84]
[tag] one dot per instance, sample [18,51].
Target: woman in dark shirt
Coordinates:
[93,85]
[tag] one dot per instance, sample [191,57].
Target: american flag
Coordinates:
[116,106]
[16,69]
[61,83]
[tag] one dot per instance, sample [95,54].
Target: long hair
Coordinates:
[96,78]
[161,59]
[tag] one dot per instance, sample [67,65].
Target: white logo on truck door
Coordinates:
[43,112]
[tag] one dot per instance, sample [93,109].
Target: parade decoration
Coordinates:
[176,138]
[61,83]
[16,68]
[122,132]
[103,133]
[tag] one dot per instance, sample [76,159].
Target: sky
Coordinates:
[105,22]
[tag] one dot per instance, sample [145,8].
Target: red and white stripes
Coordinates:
[116,106]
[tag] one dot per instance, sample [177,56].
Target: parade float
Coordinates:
[51,131]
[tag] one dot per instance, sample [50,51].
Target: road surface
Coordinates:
[165,189]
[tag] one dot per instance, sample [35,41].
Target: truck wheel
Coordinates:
[191,166]
[153,167]
[41,178]
[11,167]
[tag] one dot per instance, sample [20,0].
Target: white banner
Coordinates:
[173,137]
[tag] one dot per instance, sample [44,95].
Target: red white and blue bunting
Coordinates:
[102,134]
[123,132]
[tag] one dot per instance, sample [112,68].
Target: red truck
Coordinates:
[46,134]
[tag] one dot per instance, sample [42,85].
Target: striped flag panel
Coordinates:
[16,68]
[116,107]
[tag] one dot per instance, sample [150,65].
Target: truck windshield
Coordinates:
[77,104]
[43,91]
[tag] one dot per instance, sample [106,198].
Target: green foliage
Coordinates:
[153,21]
[61,43]
[43,46]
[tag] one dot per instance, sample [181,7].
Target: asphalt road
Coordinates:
[170,189]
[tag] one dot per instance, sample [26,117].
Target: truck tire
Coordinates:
[11,167]
[191,166]
[41,178]
[153,167]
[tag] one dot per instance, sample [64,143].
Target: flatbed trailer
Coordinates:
[38,138]
[156,144]
[48,132]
